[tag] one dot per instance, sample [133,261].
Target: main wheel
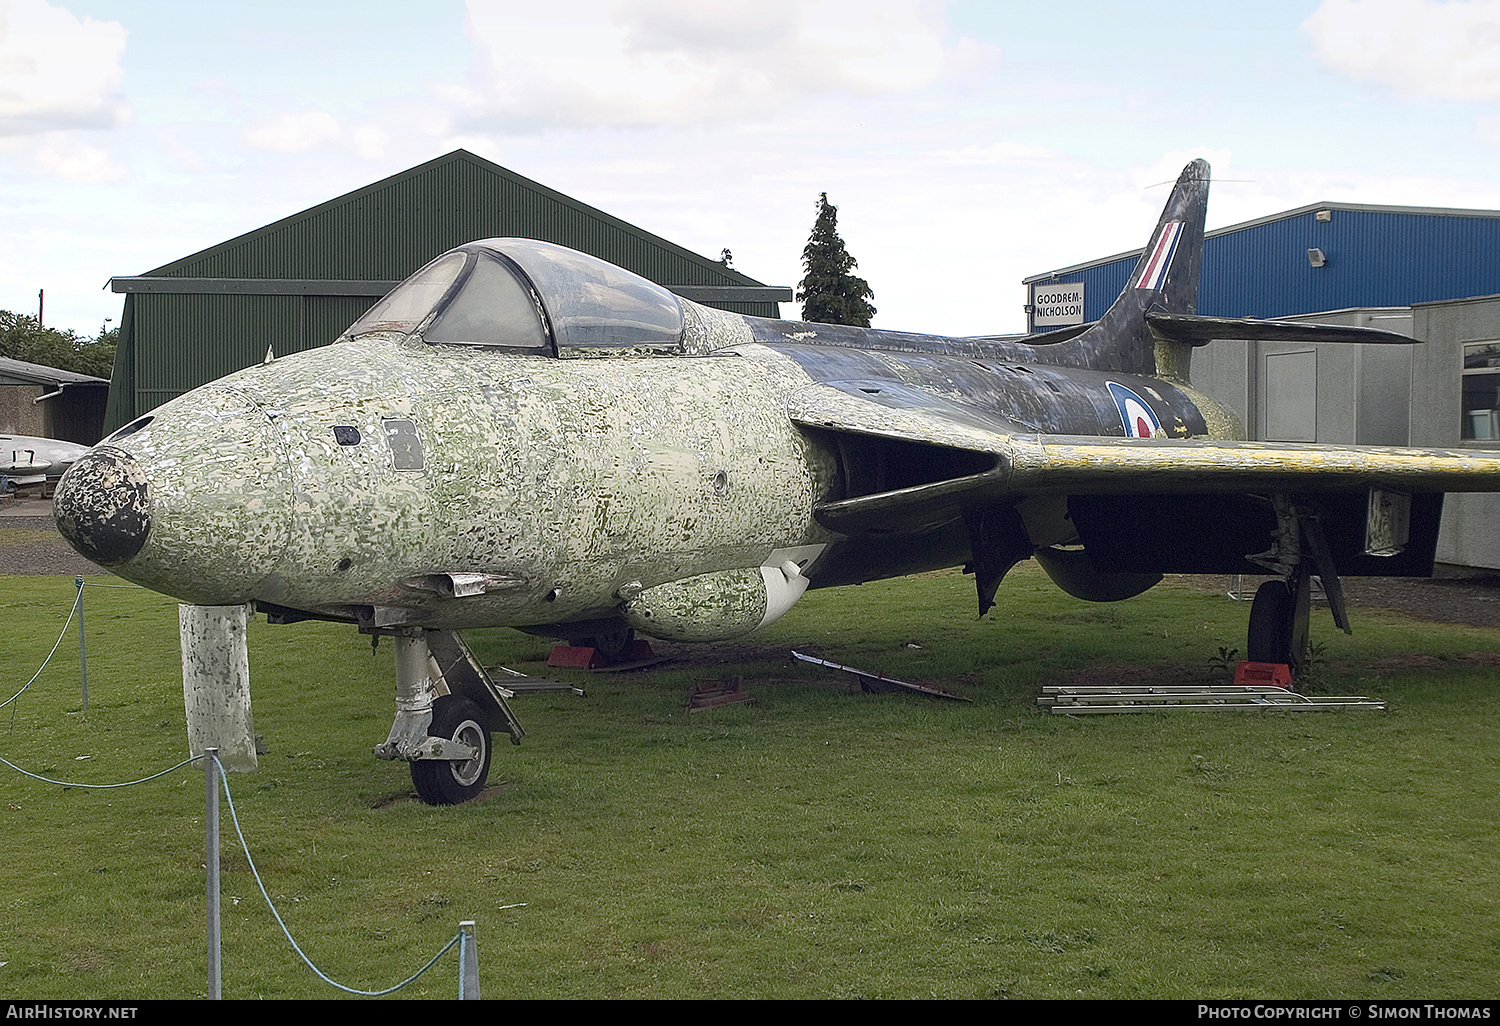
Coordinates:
[1271,615]
[440,781]
[614,647]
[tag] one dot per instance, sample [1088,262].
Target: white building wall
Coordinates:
[1471,522]
[1341,394]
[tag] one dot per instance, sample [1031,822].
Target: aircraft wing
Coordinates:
[1025,464]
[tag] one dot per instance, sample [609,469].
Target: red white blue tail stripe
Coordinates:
[1160,261]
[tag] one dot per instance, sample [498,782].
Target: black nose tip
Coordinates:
[102,507]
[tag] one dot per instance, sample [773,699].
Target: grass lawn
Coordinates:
[822,843]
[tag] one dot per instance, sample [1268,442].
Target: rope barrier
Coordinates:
[233,815]
[60,635]
[245,846]
[98,787]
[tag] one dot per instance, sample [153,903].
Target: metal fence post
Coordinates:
[211,843]
[83,652]
[468,962]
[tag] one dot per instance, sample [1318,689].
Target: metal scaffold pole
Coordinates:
[468,963]
[211,843]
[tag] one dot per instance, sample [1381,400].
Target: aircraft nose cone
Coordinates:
[194,503]
[103,508]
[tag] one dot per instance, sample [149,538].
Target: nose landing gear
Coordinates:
[446,707]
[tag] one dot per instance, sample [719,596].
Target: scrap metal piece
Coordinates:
[524,684]
[712,692]
[1127,698]
[875,683]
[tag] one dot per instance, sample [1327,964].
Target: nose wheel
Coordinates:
[449,782]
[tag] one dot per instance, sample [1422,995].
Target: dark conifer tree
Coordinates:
[829,293]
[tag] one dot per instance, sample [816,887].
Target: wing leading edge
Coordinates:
[1006,464]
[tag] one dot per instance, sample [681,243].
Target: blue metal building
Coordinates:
[1431,273]
[1324,256]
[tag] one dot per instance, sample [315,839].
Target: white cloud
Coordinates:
[294,132]
[1417,47]
[67,157]
[309,131]
[181,157]
[57,72]
[647,63]
[370,142]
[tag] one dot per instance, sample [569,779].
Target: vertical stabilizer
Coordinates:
[1165,279]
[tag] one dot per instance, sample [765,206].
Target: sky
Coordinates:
[966,144]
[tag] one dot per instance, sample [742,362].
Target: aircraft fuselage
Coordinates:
[391,479]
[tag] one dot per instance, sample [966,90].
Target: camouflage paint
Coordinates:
[656,467]
[545,484]
[216,683]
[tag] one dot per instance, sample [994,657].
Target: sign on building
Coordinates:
[1057,305]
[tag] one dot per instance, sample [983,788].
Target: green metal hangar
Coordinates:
[1431,273]
[297,283]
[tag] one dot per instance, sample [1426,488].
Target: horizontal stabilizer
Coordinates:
[1198,330]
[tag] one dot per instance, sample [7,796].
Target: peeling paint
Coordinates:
[216,683]
[647,460]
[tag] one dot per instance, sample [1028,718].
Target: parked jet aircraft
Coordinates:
[524,435]
[27,459]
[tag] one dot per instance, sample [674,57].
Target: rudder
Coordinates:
[1165,279]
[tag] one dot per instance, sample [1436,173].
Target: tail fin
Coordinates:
[1165,280]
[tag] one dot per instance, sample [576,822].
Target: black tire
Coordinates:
[440,782]
[1270,635]
[615,647]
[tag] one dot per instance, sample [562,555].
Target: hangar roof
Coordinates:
[299,282]
[1324,256]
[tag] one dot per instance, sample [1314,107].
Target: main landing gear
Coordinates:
[1279,622]
[446,708]
[1279,630]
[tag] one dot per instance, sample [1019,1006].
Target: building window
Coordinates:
[1481,391]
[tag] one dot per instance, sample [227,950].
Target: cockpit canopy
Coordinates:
[522,295]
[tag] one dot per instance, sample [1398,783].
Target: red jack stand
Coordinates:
[1275,674]
[585,657]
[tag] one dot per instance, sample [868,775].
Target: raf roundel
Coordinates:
[1135,415]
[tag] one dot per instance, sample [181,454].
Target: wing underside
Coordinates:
[1008,464]
[1160,505]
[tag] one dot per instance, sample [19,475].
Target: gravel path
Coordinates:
[31,545]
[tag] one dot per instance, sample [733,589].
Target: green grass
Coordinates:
[823,843]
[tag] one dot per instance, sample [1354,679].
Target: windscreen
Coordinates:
[409,303]
[493,308]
